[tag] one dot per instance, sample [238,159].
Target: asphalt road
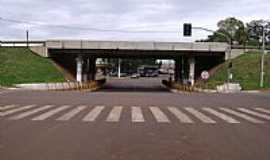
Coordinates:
[144,124]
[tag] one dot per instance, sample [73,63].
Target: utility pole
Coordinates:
[262,58]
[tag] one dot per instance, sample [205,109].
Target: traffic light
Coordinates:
[187,29]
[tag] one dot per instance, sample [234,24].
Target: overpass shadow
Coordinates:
[134,85]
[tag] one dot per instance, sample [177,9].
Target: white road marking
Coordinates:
[241,115]
[93,114]
[159,115]
[16,110]
[31,112]
[136,114]
[263,110]
[254,113]
[8,107]
[115,114]
[50,113]
[221,115]
[200,115]
[180,115]
[71,113]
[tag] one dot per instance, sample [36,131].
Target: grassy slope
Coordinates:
[246,71]
[20,65]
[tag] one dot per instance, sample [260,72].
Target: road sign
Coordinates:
[205,75]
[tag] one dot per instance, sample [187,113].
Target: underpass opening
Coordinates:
[88,65]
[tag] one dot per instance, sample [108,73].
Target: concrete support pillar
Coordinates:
[191,61]
[85,70]
[177,69]
[92,69]
[119,68]
[79,61]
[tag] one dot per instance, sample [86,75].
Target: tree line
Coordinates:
[249,34]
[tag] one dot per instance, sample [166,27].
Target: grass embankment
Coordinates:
[246,71]
[21,65]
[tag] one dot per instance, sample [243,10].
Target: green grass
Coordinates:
[246,71]
[20,65]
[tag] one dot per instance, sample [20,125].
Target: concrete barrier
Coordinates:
[94,85]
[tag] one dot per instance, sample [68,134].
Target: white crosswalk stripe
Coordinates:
[16,110]
[93,114]
[241,115]
[71,113]
[221,115]
[31,112]
[115,114]
[136,114]
[200,115]
[8,107]
[180,115]
[50,113]
[159,115]
[263,110]
[254,113]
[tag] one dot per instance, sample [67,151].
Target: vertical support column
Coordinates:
[191,61]
[79,61]
[85,70]
[119,68]
[92,69]
[177,69]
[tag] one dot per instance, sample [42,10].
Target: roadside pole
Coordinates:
[262,58]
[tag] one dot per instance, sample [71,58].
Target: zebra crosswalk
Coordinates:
[136,114]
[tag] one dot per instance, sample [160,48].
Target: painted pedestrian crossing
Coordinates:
[200,115]
[115,114]
[158,114]
[50,113]
[91,116]
[241,115]
[71,113]
[16,110]
[136,114]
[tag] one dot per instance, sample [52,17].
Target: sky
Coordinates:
[135,20]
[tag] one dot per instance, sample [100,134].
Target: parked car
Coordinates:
[135,75]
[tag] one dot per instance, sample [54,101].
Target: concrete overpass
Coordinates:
[79,56]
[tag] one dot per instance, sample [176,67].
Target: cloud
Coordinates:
[133,15]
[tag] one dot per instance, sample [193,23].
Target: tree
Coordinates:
[254,29]
[234,28]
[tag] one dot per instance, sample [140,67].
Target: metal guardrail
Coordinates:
[21,43]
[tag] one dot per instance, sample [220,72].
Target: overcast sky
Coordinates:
[127,15]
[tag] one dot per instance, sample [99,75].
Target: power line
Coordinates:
[82,28]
